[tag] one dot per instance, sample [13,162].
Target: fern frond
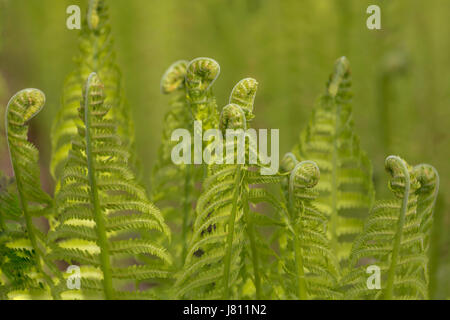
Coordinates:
[224,232]
[95,55]
[169,180]
[104,214]
[190,84]
[395,237]
[345,188]
[309,263]
[19,232]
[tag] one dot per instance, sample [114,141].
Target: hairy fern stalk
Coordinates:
[310,231]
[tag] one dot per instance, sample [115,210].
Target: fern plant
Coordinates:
[95,55]
[22,239]
[104,215]
[224,236]
[345,189]
[236,238]
[191,84]
[396,236]
[310,268]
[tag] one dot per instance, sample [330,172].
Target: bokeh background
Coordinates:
[401,73]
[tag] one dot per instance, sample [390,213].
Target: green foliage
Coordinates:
[22,240]
[103,214]
[95,55]
[200,76]
[308,232]
[396,236]
[191,86]
[224,234]
[345,188]
[310,266]
[16,264]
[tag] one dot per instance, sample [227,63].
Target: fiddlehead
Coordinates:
[428,192]
[201,75]
[33,201]
[224,229]
[393,240]
[169,180]
[309,263]
[243,94]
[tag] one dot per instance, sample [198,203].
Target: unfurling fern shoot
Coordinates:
[223,223]
[310,264]
[395,239]
[34,202]
[191,87]
[105,216]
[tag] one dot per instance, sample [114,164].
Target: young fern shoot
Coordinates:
[192,100]
[33,201]
[395,237]
[309,263]
[216,251]
[166,176]
[200,77]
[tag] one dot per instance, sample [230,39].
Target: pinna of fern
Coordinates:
[104,214]
[345,188]
[310,269]
[17,265]
[395,237]
[20,233]
[95,55]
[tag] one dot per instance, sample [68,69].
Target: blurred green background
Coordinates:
[401,74]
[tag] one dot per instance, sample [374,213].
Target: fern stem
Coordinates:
[2,223]
[398,236]
[334,187]
[186,209]
[299,266]
[254,251]
[24,205]
[32,235]
[230,235]
[99,219]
